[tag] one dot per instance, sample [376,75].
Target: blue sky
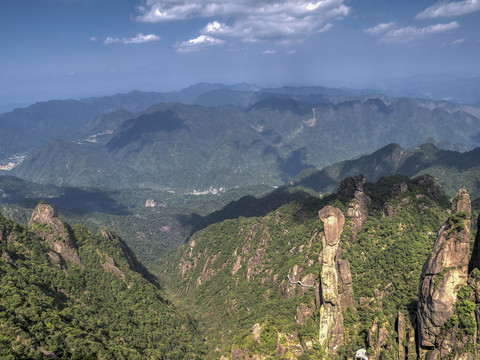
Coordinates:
[56,49]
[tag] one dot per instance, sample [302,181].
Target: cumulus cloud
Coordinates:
[199,43]
[446,9]
[216,28]
[139,39]
[251,20]
[269,52]
[380,28]
[409,33]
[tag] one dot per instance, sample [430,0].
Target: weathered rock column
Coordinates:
[331,334]
[444,273]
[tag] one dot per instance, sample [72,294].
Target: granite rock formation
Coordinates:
[331,331]
[443,275]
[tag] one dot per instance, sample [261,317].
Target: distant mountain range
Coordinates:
[185,147]
[453,169]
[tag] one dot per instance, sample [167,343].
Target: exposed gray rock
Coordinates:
[444,273]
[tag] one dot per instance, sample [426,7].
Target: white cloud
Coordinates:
[388,32]
[283,21]
[139,39]
[380,28]
[199,43]
[446,9]
[269,52]
[216,28]
[411,33]
[93,39]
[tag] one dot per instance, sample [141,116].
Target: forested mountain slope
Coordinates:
[257,284]
[68,293]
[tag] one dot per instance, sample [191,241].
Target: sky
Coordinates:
[57,49]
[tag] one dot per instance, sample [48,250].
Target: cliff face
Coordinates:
[358,207]
[335,276]
[46,224]
[443,275]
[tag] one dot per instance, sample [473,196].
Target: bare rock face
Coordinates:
[358,207]
[345,284]
[46,224]
[331,332]
[333,221]
[377,338]
[444,273]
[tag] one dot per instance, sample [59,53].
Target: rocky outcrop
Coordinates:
[475,259]
[46,224]
[345,284]
[443,275]
[406,337]
[331,332]
[377,339]
[432,186]
[358,207]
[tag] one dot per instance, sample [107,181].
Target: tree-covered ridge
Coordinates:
[243,278]
[452,169]
[99,308]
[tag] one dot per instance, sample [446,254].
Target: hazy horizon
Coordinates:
[58,49]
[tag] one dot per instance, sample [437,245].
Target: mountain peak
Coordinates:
[46,224]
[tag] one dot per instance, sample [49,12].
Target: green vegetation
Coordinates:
[268,248]
[386,259]
[49,307]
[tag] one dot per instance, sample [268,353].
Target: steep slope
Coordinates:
[444,274]
[295,283]
[363,126]
[67,293]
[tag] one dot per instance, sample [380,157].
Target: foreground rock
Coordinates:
[443,276]
[331,332]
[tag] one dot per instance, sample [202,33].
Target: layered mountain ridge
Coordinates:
[269,143]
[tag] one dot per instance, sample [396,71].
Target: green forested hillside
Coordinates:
[150,231]
[244,278]
[69,293]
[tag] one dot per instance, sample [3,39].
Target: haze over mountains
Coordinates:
[219,136]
